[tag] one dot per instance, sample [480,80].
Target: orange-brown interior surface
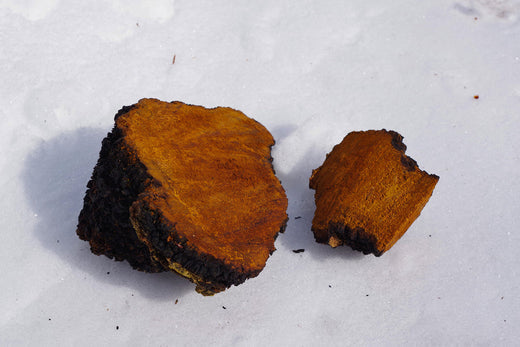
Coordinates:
[363,183]
[217,182]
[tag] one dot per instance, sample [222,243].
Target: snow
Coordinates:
[310,72]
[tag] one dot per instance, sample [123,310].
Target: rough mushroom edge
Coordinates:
[104,220]
[359,240]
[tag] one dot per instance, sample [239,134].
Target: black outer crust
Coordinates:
[356,238]
[104,220]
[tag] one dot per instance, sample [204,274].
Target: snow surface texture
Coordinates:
[311,72]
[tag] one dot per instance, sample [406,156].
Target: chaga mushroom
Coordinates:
[186,189]
[368,192]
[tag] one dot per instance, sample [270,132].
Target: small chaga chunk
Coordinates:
[368,192]
[186,189]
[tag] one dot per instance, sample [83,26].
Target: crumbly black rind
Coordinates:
[104,221]
[355,237]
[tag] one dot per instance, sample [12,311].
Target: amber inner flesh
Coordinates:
[217,185]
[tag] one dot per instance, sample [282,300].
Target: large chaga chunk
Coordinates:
[187,189]
[368,192]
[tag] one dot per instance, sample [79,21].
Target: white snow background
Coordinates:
[310,72]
